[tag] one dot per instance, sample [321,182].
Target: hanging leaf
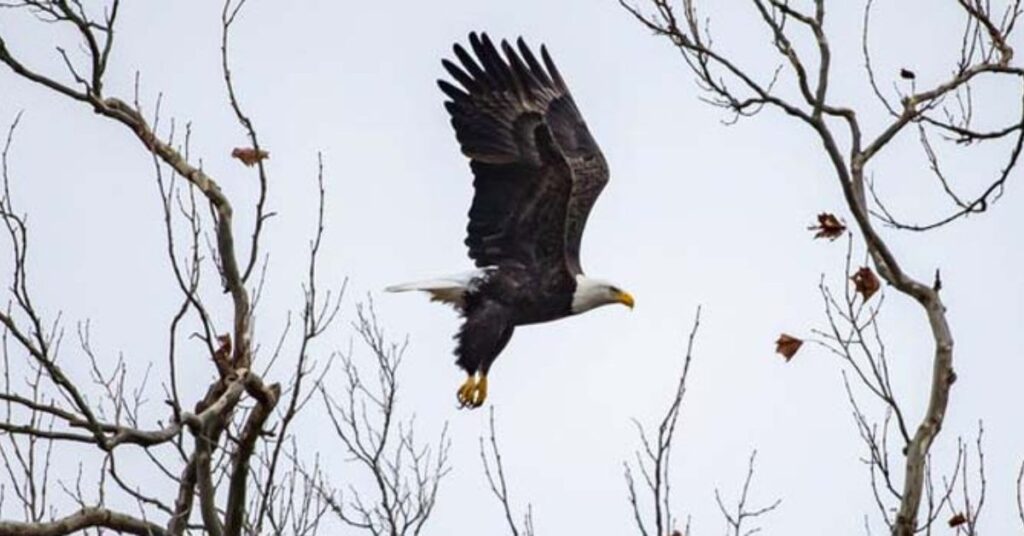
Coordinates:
[787,345]
[957,520]
[249,156]
[828,227]
[866,282]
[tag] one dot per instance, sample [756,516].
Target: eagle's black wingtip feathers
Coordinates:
[528,81]
[532,63]
[484,67]
[493,64]
[454,93]
[464,79]
[475,43]
[552,70]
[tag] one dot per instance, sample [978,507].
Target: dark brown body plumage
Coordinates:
[537,172]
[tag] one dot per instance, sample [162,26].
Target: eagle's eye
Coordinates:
[615,290]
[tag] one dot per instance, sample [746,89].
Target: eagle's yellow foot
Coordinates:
[473,392]
[463,394]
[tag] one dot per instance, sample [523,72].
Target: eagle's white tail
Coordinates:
[450,289]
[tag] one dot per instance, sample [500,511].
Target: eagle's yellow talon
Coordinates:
[480,392]
[473,392]
[464,394]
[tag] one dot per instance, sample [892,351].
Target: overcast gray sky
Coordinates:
[696,213]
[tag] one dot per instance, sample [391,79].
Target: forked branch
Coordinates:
[494,469]
[653,461]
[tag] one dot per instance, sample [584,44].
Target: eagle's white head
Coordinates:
[591,293]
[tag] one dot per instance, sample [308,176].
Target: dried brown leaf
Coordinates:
[828,227]
[249,156]
[222,356]
[787,345]
[866,282]
[957,520]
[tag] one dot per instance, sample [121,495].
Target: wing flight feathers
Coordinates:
[528,207]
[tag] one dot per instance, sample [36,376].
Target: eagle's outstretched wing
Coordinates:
[537,169]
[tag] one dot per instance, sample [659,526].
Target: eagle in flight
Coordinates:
[537,172]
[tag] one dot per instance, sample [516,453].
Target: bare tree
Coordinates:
[405,474]
[799,88]
[651,499]
[230,457]
[854,335]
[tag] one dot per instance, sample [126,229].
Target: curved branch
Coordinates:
[86,518]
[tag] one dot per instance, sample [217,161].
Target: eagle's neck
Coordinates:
[589,293]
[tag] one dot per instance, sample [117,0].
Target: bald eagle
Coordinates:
[537,172]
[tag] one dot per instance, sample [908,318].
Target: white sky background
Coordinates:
[695,213]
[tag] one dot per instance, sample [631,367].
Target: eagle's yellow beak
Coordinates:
[625,298]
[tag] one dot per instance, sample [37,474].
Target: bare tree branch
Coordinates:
[1020,493]
[317,317]
[228,14]
[735,519]
[499,485]
[83,520]
[406,473]
[654,459]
